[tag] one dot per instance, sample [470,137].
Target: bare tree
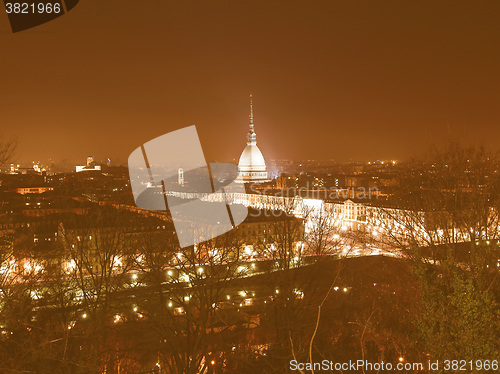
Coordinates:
[298,284]
[445,219]
[190,312]
[7,148]
[99,253]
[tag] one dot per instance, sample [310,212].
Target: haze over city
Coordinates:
[337,80]
[335,208]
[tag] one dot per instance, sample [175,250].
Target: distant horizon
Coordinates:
[73,161]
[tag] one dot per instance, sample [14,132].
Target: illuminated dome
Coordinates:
[252,166]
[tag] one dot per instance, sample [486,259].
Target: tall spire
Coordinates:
[251,109]
[252,137]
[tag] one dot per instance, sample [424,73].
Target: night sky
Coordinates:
[343,80]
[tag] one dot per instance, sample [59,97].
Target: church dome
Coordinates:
[251,159]
[252,166]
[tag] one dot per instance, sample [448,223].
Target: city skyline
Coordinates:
[338,81]
[246,187]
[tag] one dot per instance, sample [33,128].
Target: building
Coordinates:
[91,166]
[35,190]
[252,166]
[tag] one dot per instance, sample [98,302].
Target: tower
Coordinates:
[252,166]
[180,176]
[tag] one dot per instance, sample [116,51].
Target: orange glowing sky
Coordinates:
[331,79]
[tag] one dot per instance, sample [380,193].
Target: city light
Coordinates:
[325,177]
[242,269]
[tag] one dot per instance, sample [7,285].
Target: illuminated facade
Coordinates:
[35,190]
[91,166]
[252,166]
